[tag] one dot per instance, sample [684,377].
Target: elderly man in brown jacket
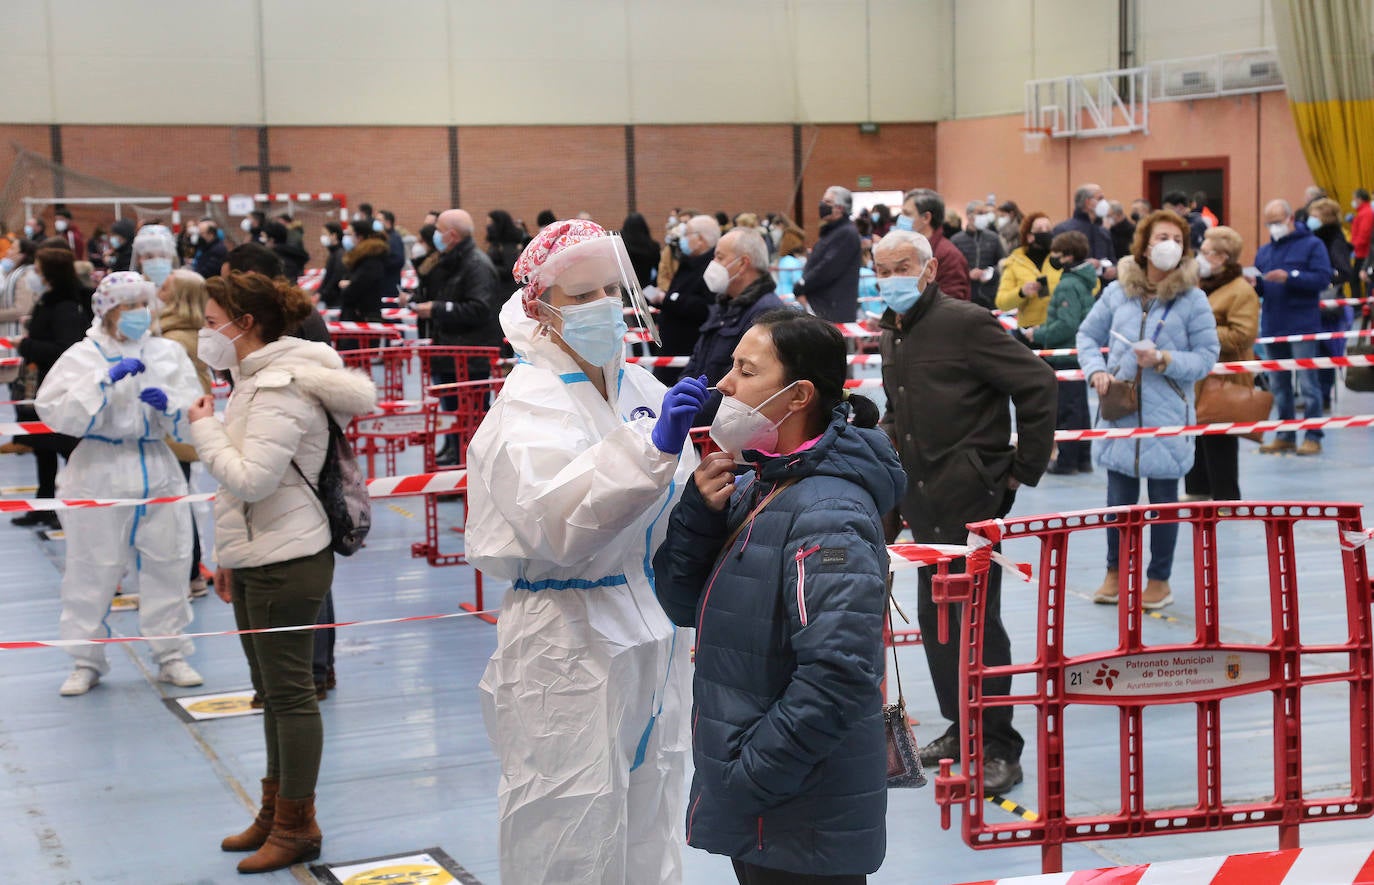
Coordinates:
[951,372]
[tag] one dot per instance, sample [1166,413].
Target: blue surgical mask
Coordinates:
[1313,222]
[133,324]
[377,225]
[116,242]
[901,293]
[873,217]
[349,242]
[157,269]
[684,244]
[28,232]
[904,222]
[439,242]
[39,285]
[6,265]
[595,331]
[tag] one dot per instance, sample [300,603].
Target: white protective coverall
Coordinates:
[587,695]
[122,455]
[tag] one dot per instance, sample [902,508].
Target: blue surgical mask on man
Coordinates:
[349,242]
[157,269]
[684,244]
[904,222]
[902,293]
[439,242]
[133,324]
[377,225]
[595,331]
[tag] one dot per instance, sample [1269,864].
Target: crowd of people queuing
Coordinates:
[583,479]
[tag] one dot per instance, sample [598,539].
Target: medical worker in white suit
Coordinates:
[571,479]
[123,390]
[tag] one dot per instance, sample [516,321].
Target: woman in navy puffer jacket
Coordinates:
[787,723]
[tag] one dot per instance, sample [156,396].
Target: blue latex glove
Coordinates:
[126,366]
[680,405]
[154,397]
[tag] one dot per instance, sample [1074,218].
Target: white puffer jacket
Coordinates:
[264,511]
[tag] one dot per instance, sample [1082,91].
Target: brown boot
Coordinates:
[295,838]
[1157,595]
[252,838]
[1110,591]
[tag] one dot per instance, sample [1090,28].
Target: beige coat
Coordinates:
[178,331]
[264,511]
[1236,307]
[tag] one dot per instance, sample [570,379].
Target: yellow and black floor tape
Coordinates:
[1012,808]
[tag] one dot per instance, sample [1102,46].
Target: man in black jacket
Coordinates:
[396,252]
[686,301]
[950,372]
[830,280]
[461,299]
[1090,209]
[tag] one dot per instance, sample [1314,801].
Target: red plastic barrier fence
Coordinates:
[1132,676]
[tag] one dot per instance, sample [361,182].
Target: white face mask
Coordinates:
[1205,268]
[1166,254]
[717,277]
[246,224]
[1278,230]
[217,351]
[60,224]
[738,427]
[326,240]
[982,221]
[1103,209]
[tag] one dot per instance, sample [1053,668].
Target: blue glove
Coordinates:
[126,366]
[680,405]
[154,397]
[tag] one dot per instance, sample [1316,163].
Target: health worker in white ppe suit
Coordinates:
[123,390]
[154,253]
[571,479]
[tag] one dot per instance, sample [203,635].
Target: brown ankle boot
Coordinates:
[252,838]
[295,838]
[1110,591]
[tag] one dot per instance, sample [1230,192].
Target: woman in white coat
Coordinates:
[571,478]
[272,538]
[123,390]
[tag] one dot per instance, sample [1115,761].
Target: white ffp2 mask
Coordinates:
[738,427]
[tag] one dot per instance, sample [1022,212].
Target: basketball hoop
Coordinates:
[1033,138]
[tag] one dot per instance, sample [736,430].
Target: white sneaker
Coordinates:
[198,587]
[79,681]
[179,673]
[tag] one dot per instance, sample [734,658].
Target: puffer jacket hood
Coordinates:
[265,512]
[369,248]
[860,455]
[1181,279]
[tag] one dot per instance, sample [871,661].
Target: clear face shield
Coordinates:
[599,263]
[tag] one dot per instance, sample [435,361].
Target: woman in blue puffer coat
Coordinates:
[783,573]
[1162,335]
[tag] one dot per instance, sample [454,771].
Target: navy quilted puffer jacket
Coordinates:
[787,730]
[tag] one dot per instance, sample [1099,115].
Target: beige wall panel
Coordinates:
[1187,28]
[831,74]
[993,56]
[1073,37]
[906,39]
[132,61]
[24,65]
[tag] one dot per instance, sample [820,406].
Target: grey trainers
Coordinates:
[78,682]
[179,673]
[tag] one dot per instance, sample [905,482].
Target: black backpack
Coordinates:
[342,491]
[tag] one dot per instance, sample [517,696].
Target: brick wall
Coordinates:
[522,169]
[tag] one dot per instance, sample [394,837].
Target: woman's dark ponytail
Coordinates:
[865,410]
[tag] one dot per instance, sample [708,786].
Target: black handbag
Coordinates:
[904,767]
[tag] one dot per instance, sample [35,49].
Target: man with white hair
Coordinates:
[1090,208]
[950,372]
[739,278]
[461,299]
[829,286]
[685,303]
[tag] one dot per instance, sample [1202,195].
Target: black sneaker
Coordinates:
[35,517]
[946,746]
[1000,775]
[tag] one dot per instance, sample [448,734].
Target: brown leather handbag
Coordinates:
[1120,400]
[1221,401]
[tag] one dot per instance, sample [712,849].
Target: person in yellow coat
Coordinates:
[1027,277]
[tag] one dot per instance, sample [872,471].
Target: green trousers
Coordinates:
[286,594]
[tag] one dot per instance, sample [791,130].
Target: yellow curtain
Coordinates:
[1328,68]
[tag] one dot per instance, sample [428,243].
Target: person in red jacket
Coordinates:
[1361,230]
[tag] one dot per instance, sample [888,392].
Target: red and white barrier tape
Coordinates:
[1238,428]
[1344,302]
[391,330]
[381,487]
[114,640]
[1253,367]
[1318,865]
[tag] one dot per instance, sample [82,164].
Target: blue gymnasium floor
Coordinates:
[112,787]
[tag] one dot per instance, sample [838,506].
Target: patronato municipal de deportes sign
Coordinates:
[1163,672]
